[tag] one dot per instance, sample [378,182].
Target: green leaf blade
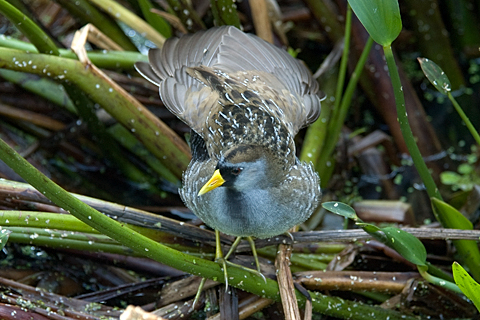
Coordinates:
[381,18]
[407,245]
[450,217]
[435,75]
[341,209]
[467,250]
[465,282]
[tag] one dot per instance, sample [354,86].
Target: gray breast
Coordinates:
[258,213]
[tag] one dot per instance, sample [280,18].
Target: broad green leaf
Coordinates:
[435,75]
[466,283]
[450,217]
[467,250]
[407,245]
[381,18]
[341,209]
[439,79]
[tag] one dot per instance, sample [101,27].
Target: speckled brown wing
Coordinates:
[240,56]
[244,116]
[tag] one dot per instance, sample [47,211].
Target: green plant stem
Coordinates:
[315,136]
[352,84]
[85,11]
[144,246]
[117,11]
[42,87]
[343,67]
[35,34]
[95,242]
[377,296]
[326,248]
[102,59]
[60,235]
[438,281]
[437,272]
[66,243]
[309,262]
[106,143]
[420,165]
[52,229]
[129,142]
[320,257]
[158,138]
[11,219]
[464,117]
[84,105]
[46,220]
[336,123]
[107,226]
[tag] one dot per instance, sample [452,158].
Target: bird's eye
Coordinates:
[236,171]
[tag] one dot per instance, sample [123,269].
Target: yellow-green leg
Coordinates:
[234,246]
[219,258]
[255,256]
[199,292]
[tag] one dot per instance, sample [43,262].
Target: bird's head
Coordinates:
[245,167]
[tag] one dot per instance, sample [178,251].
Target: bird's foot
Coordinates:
[253,271]
[222,260]
[223,264]
[199,292]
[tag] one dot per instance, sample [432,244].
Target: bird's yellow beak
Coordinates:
[215,181]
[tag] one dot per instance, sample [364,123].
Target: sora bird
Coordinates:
[245,100]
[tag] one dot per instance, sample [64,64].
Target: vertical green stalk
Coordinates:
[341,113]
[335,121]
[352,84]
[343,63]
[464,117]
[420,165]
[316,134]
